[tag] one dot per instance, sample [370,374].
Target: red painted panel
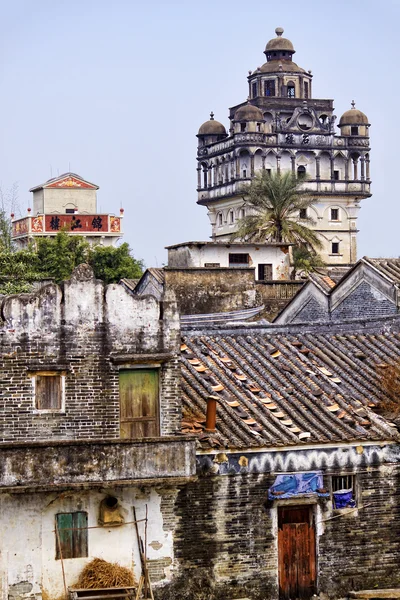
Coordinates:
[76,223]
[71,182]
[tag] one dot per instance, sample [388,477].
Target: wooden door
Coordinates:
[296,553]
[139,413]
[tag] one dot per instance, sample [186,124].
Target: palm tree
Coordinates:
[305,261]
[275,201]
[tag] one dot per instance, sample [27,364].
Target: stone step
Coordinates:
[388,594]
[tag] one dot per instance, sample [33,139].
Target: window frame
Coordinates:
[354,130]
[336,211]
[74,537]
[156,418]
[59,409]
[354,485]
[303,214]
[338,249]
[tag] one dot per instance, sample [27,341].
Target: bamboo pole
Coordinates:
[61,558]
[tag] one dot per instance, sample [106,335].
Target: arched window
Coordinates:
[254,89]
[291,90]
[242,213]
[220,219]
[231,217]
[301,172]
[306,91]
[269,87]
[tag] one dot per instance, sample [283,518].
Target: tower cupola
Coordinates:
[279,48]
[354,122]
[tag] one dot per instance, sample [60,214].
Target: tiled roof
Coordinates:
[387,266]
[282,389]
[323,281]
[158,274]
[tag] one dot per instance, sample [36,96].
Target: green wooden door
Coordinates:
[139,413]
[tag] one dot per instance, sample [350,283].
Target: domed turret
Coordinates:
[354,122]
[248,112]
[212,127]
[279,47]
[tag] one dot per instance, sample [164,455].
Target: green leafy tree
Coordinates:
[59,256]
[275,200]
[305,261]
[18,270]
[112,264]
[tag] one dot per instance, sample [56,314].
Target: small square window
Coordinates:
[70,211]
[71,535]
[354,131]
[334,214]
[335,247]
[49,388]
[343,491]
[303,213]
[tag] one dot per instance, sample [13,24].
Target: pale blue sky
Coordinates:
[119,89]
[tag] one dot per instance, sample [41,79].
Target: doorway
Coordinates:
[296,553]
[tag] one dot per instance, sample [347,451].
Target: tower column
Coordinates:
[332,168]
[293,159]
[237,168]
[355,169]
[318,169]
[252,165]
[367,167]
[278,163]
[199,177]
[362,161]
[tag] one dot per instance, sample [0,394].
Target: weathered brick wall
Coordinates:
[364,302]
[83,328]
[225,540]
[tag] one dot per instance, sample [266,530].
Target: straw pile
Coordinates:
[101,574]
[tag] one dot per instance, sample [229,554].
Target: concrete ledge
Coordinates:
[369,594]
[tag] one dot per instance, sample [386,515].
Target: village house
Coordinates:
[90,411]
[370,289]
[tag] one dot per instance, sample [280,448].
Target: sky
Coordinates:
[117,90]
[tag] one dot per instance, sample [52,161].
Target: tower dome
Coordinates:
[212,127]
[279,47]
[248,112]
[354,122]
[353,117]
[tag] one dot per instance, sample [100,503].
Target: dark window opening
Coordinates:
[231,217]
[336,175]
[268,171]
[306,89]
[258,126]
[254,89]
[139,403]
[269,88]
[303,213]
[291,91]
[242,126]
[354,131]
[220,219]
[301,172]
[334,214]
[70,211]
[244,172]
[239,260]
[265,272]
[335,247]
[343,491]
[48,392]
[73,535]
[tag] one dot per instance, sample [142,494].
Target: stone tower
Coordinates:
[282,127]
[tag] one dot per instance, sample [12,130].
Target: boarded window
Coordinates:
[73,534]
[265,272]
[139,402]
[48,392]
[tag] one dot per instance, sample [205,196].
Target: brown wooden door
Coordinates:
[296,553]
[139,414]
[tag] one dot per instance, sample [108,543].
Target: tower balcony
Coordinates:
[94,227]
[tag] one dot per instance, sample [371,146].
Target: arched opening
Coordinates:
[339,168]
[323,119]
[268,121]
[254,89]
[291,90]
[286,162]
[269,87]
[354,160]
[244,162]
[231,217]
[205,174]
[258,160]
[219,220]
[301,172]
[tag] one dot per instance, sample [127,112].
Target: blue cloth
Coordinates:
[297,484]
[344,499]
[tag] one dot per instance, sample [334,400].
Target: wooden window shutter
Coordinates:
[48,392]
[139,403]
[73,532]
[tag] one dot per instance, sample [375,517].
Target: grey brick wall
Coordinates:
[364,302]
[311,312]
[82,328]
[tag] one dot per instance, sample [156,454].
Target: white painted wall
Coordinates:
[28,547]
